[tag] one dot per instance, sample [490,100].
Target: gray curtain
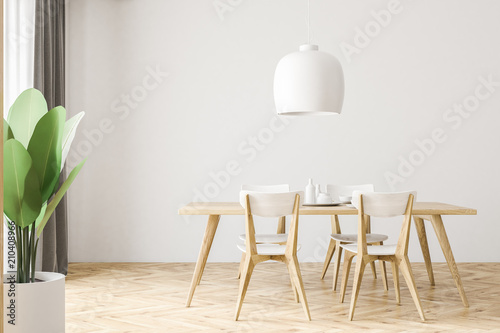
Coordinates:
[49,79]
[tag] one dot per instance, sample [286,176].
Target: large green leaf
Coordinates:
[45,149]
[25,113]
[22,198]
[41,215]
[32,200]
[58,196]
[7,131]
[17,163]
[69,135]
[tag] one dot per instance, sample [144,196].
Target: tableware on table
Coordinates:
[324,198]
[323,205]
[345,198]
[310,195]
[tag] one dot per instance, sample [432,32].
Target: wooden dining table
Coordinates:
[422,211]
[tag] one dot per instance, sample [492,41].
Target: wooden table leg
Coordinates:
[437,223]
[331,245]
[213,222]
[422,237]
[328,258]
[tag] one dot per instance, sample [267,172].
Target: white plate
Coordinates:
[323,205]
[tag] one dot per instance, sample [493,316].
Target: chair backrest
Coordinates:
[346,190]
[378,204]
[269,204]
[266,188]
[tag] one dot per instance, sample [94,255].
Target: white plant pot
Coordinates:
[38,307]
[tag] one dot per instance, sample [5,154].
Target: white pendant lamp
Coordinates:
[308,82]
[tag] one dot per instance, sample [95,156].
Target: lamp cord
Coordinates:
[308,22]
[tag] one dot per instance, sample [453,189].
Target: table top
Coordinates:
[234,208]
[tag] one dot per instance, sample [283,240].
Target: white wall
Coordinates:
[151,155]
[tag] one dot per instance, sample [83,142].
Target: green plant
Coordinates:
[36,143]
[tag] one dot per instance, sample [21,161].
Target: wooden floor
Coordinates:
[138,297]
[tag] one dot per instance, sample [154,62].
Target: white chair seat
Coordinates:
[268,249]
[267,238]
[353,238]
[376,250]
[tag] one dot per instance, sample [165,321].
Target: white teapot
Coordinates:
[324,198]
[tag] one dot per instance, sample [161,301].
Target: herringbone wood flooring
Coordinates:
[150,297]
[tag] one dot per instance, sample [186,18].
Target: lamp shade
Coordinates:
[308,82]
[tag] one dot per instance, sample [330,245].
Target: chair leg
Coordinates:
[281,225]
[297,277]
[405,267]
[329,255]
[374,271]
[395,277]
[372,264]
[295,294]
[242,264]
[336,264]
[244,281]
[383,271]
[345,274]
[358,276]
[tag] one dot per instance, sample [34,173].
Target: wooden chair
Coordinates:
[337,238]
[282,188]
[280,236]
[271,205]
[381,205]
